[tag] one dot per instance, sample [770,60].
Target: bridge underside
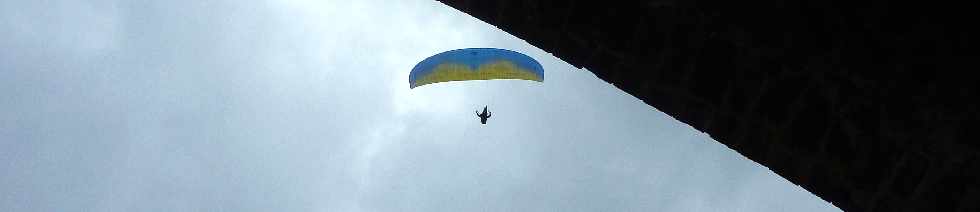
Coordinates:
[867,105]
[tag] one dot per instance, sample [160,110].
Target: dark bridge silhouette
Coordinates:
[869,105]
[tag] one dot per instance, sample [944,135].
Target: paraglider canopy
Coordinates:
[475,64]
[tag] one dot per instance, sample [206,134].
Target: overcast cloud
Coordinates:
[304,106]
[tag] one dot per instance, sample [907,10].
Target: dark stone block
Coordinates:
[809,124]
[781,96]
[949,191]
[724,128]
[839,146]
[912,172]
[826,186]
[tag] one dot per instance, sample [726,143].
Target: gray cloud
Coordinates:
[305,106]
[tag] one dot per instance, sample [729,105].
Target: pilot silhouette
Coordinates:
[483,116]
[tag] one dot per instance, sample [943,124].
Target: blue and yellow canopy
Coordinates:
[475,64]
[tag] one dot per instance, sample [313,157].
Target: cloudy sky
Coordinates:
[304,106]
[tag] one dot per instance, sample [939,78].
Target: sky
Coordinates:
[305,106]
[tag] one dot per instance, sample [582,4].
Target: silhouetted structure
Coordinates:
[868,105]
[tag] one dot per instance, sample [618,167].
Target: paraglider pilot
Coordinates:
[483,116]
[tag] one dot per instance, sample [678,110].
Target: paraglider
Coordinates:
[475,64]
